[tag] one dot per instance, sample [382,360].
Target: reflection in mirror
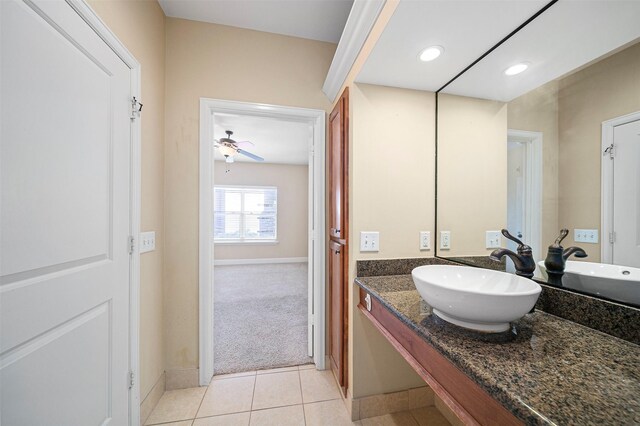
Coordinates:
[556,146]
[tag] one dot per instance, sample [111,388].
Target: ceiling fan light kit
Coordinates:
[229,148]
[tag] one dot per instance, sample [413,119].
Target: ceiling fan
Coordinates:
[229,148]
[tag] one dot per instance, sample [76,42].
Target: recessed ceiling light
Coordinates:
[517,68]
[431,53]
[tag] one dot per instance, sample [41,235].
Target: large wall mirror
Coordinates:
[549,144]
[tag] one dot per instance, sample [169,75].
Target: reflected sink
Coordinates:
[475,298]
[615,282]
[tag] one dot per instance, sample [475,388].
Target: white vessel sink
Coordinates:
[475,298]
[616,282]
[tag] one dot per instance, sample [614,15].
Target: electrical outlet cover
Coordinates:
[445,240]
[425,240]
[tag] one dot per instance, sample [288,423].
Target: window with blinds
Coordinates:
[244,214]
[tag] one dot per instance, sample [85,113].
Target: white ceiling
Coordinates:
[465,28]
[276,140]
[321,20]
[567,36]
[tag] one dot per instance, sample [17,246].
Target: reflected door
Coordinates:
[626,194]
[516,163]
[64,220]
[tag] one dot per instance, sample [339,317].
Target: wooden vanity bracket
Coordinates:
[470,403]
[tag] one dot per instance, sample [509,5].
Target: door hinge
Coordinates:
[132,243]
[609,150]
[136,108]
[612,237]
[131,376]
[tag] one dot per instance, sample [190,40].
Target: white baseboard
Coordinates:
[226,262]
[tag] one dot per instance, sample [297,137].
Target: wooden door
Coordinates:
[338,233]
[338,146]
[64,221]
[337,349]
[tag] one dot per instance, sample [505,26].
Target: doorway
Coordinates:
[620,190]
[211,113]
[524,190]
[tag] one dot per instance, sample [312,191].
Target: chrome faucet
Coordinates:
[523,260]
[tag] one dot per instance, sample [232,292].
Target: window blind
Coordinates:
[245,213]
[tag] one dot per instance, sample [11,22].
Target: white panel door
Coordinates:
[626,194]
[516,163]
[64,220]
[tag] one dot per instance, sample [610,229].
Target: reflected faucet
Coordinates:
[523,259]
[573,250]
[557,256]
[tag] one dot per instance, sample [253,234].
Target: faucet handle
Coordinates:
[521,246]
[563,234]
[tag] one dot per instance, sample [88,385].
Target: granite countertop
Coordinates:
[546,370]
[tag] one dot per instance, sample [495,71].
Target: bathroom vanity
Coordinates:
[546,370]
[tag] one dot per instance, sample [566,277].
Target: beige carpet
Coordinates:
[260,317]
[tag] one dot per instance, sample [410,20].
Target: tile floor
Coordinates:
[296,396]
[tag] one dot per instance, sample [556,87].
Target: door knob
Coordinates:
[337,251]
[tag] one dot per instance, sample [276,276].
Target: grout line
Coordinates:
[322,400]
[304,415]
[170,422]
[234,376]
[304,412]
[195,416]
[253,395]
[277,406]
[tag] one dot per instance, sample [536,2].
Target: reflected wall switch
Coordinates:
[369,241]
[585,236]
[445,240]
[492,239]
[147,241]
[425,240]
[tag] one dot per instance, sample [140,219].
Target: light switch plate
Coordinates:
[585,236]
[492,239]
[369,241]
[425,240]
[147,241]
[445,240]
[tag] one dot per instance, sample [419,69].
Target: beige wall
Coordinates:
[472,170]
[600,92]
[292,182]
[216,61]
[537,111]
[391,184]
[140,26]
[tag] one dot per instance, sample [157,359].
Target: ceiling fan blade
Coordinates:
[250,155]
[245,143]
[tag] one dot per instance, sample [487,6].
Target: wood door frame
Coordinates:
[95,22]
[606,187]
[533,185]
[317,257]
